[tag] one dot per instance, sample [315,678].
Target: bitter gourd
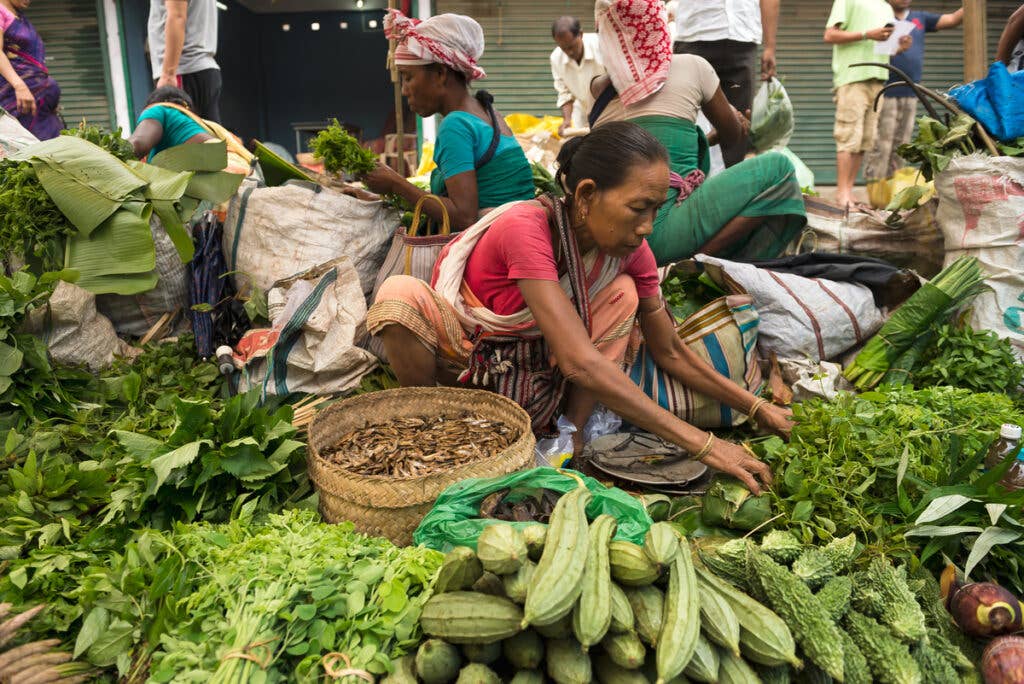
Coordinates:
[888,658]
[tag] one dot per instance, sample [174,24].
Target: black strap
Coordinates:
[487,100]
[602,101]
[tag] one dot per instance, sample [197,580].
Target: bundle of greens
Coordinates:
[871,464]
[108,204]
[936,300]
[340,152]
[270,600]
[111,141]
[978,360]
[32,228]
[687,293]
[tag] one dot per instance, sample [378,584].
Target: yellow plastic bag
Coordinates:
[426,159]
[881,192]
[527,124]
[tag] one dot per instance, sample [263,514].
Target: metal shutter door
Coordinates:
[518,44]
[805,63]
[75,56]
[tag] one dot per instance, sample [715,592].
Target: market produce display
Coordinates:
[914,489]
[573,606]
[853,620]
[413,447]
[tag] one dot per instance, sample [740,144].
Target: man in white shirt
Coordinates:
[727,34]
[574,64]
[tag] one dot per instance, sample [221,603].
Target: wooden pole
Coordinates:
[975,45]
[399,114]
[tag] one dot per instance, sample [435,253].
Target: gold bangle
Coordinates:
[706,449]
[756,407]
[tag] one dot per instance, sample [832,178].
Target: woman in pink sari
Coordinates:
[537,301]
[26,89]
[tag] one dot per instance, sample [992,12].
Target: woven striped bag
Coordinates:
[723,333]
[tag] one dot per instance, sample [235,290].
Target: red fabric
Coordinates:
[518,246]
[451,39]
[635,46]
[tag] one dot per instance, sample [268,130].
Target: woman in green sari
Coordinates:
[751,210]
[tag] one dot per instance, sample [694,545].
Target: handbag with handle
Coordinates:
[412,254]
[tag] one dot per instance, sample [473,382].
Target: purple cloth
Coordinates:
[25,50]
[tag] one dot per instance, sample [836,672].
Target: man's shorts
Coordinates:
[856,119]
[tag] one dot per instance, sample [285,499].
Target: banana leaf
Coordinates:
[277,171]
[904,327]
[122,246]
[86,182]
[209,156]
[214,187]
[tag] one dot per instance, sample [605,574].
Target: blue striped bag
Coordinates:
[723,333]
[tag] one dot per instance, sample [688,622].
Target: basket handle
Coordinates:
[446,224]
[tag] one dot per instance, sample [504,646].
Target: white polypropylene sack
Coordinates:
[320,314]
[13,136]
[272,233]
[803,317]
[74,332]
[981,214]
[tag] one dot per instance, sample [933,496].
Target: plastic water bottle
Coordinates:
[227,366]
[1008,443]
[1014,478]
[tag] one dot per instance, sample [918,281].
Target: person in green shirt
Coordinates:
[852,29]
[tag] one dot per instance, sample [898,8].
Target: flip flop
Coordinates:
[644,459]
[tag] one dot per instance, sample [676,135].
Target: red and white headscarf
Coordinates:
[635,46]
[454,40]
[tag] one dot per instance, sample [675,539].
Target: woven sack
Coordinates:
[393,507]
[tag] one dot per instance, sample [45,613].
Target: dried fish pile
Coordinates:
[414,447]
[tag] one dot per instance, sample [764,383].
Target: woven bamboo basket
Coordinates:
[393,507]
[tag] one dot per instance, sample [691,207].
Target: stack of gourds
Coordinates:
[569,602]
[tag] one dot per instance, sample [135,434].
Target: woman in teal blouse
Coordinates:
[479,163]
[163,124]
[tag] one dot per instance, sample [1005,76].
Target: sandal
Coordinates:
[644,459]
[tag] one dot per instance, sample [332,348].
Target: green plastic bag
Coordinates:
[452,521]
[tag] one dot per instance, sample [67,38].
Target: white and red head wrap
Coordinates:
[635,46]
[454,40]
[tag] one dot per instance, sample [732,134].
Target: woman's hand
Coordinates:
[734,460]
[775,419]
[744,120]
[25,99]
[382,180]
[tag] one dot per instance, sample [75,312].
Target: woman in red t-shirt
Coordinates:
[539,298]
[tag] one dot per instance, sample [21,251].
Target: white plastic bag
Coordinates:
[556,451]
[771,117]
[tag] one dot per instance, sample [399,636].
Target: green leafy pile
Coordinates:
[340,152]
[936,143]
[287,592]
[871,463]
[544,182]
[31,225]
[29,385]
[687,293]
[978,360]
[111,141]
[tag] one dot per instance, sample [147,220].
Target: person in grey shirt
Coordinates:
[183,49]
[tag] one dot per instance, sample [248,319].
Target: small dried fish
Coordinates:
[415,447]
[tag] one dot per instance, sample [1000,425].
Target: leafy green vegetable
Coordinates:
[111,141]
[544,182]
[340,152]
[31,225]
[978,360]
[687,293]
[870,464]
[296,586]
